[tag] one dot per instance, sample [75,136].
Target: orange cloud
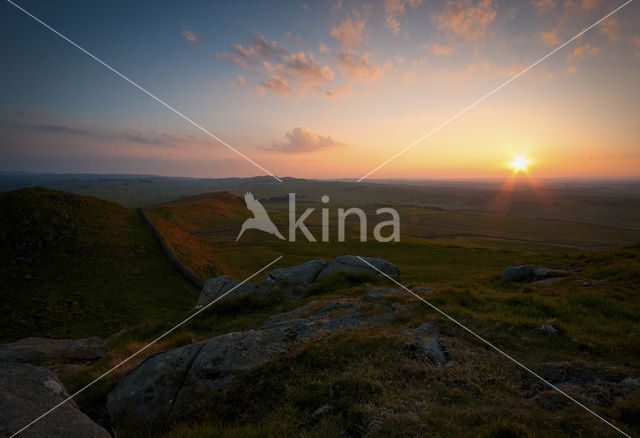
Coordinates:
[302,140]
[342,90]
[278,85]
[242,57]
[636,43]
[550,38]
[441,50]
[395,8]
[349,33]
[357,67]
[591,5]
[283,72]
[305,65]
[466,19]
[611,28]
[582,51]
[543,6]
[189,36]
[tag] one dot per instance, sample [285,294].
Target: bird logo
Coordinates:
[260,219]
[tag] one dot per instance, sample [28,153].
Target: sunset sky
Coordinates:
[321,89]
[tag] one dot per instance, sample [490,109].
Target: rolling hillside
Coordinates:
[74,266]
[180,223]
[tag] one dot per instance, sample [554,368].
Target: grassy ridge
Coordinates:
[76,266]
[178,221]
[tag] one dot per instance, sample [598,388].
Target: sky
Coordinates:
[321,89]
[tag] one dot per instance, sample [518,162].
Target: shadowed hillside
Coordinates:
[74,266]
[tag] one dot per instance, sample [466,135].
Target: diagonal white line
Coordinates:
[452,118]
[496,348]
[145,347]
[144,90]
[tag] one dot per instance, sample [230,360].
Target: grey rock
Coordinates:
[182,384]
[427,337]
[142,401]
[220,360]
[303,274]
[350,263]
[218,286]
[382,293]
[53,352]
[26,392]
[531,273]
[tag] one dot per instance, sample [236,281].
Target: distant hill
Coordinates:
[75,266]
[181,221]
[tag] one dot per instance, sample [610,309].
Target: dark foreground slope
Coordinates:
[73,266]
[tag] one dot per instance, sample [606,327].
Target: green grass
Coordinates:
[357,383]
[76,266]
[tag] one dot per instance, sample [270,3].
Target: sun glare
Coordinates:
[519,163]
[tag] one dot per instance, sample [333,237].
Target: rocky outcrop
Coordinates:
[350,263]
[143,400]
[53,352]
[182,384]
[27,392]
[532,273]
[216,287]
[293,279]
[302,275]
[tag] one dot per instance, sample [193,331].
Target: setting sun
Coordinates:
[519,163]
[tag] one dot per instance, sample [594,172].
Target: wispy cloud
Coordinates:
[282,72]
[395,9]
[357,66]
[611,28]
[441,50]
[304,64]
[260,48]
[278,85]
[543,6]
[582,51]
[550,38]
[302,140]
[340,91]
[592,5]
[166,140]
[189,35]
[349,33]
[467,19]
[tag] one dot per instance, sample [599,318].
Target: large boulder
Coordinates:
[350,263]
[27,392]
[530,273]
[143,400]
[182,384]
[302,275]
[52,352]
[216,287]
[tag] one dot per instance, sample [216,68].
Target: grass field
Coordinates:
[75,266]
[84,285]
